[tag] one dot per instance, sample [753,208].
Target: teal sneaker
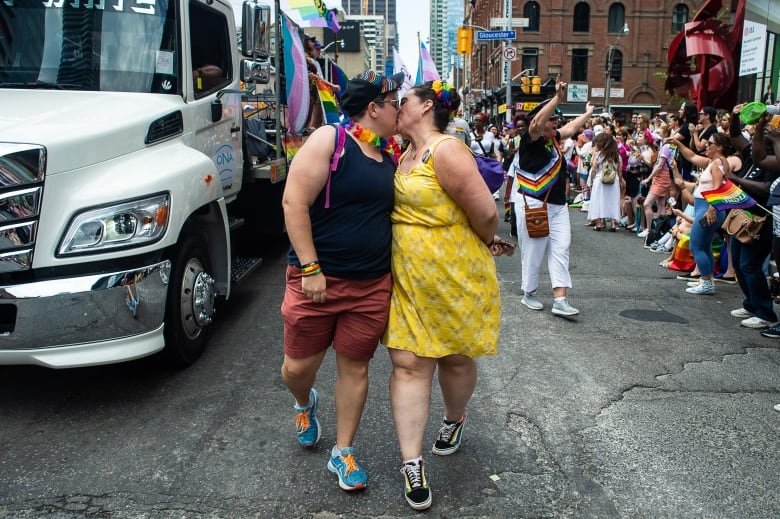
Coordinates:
[346,467]
[307,427]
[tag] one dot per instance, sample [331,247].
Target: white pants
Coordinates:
[532,249]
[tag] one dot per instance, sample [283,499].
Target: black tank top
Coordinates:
[353,236]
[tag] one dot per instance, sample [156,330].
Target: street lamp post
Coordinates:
[336,52]
[608,68]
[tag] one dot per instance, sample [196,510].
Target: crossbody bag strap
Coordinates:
[340,141]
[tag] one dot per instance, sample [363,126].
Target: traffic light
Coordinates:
[464,40]
[525,84]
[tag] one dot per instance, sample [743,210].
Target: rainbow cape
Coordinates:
[728,196]
[330,107]
[537,183]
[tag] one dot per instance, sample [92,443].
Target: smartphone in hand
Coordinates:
[703,221]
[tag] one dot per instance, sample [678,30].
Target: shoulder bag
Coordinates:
[743,225]
[536,220]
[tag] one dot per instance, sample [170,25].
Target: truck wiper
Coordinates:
[42,85]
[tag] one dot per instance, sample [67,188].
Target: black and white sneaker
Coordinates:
[448,439]
[417,492]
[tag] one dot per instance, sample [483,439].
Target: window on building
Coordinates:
[531,11]
[579,64]
[616,70]
[531,61]
[581,17]
[679,17]
[616,17]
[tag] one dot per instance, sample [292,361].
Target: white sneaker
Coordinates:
[530,300]
[756,322]
[703,288]
[741,313]
[564,308]
[697,283]
[777,408]
[643,234]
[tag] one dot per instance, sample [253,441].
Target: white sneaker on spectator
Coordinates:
[564,308]
[697,283]
[531,301]
[756,322]
[704,288]
[741,313]
[777,407]
[643,234]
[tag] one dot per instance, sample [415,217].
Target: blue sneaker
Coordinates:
[307,427]
[346,467]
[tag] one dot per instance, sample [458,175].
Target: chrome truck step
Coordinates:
[242,267]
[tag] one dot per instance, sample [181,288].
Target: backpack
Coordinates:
[490,169]
[608,172]
[341,139]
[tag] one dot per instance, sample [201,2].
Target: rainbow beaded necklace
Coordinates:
[389,146]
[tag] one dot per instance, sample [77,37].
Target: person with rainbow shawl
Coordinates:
[540,179]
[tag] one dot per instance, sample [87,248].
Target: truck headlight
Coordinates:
[128,224]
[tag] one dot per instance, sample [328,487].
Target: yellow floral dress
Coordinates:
[445,297]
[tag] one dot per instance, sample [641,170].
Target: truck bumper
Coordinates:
[84,321]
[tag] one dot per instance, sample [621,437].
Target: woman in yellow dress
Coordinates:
[445,306]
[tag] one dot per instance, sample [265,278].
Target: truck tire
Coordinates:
[190,304]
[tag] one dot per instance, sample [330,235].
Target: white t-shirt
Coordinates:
[487,141]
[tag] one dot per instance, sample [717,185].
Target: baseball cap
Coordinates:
[598,129]
[556,115]
[365,87]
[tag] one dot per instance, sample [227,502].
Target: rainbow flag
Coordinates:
[292,143]
[426,68]
[297,74]
[330,107]
[537,183]
[338,77]
[728,196]
[312,13]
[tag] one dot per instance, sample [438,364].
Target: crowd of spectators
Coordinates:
[663,164]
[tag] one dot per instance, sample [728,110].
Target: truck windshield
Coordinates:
[100,45]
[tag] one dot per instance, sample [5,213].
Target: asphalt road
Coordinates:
[651,403]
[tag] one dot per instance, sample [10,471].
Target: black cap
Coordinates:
[556,115]
[365,87]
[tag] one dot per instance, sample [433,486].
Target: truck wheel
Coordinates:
[190,306]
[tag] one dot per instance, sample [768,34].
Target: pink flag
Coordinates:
[426,68]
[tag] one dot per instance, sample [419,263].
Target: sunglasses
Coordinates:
[398,102]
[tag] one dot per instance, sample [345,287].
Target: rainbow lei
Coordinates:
[389,146]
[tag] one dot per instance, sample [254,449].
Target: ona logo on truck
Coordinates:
[224,158]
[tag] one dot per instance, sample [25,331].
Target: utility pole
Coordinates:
[508,64]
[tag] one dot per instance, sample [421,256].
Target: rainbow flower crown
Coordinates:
[443,93]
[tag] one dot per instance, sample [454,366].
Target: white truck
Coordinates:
[121,159]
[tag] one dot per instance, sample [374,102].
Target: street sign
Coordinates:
[514,22]
[510,53]
[496,35]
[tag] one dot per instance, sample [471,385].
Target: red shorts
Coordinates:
[352,318]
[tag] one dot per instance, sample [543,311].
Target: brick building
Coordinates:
[575,38]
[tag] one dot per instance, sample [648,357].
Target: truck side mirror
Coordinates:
[255,71]
[255,27]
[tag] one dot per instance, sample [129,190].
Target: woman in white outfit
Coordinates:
[604,198]
[540,176]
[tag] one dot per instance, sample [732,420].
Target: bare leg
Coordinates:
[457,379]
[299,375]
[351,391]
[410,399]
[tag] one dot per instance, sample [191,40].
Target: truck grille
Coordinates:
[22,170]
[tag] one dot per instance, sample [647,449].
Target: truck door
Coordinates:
[211,41]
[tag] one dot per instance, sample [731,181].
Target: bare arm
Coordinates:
[457,174]
[307,176]
[574,125]
[735,132]
[693,158]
